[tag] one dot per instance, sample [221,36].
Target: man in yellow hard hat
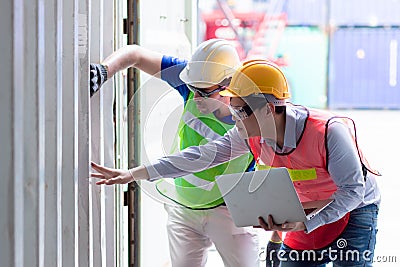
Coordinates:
[321,152]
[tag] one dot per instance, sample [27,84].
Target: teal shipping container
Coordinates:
[305,49]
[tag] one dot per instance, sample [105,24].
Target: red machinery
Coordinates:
[254,34]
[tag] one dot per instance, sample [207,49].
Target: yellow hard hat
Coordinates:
[258,77]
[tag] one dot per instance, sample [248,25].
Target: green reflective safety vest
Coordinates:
[199,190]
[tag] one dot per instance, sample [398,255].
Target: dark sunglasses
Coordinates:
[205,94]
[241,113]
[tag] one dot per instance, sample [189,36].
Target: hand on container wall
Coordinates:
[110,176]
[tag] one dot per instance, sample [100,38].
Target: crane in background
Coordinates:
[254,34]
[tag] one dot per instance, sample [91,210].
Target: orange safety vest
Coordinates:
[307,165]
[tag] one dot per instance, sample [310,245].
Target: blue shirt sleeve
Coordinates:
[171,67]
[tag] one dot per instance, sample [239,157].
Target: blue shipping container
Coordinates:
[364,12]
[306,12]
[364,68]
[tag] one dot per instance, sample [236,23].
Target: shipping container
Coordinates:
[305,51]
[306,12]
[363,68]
[364,12]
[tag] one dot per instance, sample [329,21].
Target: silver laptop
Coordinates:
[261,193]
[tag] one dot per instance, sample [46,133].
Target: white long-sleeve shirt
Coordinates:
[344,164]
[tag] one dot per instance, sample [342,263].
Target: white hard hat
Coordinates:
[213,61]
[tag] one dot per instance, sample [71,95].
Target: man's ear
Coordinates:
[271,107]
[267,109]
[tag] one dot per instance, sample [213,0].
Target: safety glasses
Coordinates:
[241,113]
[205,94]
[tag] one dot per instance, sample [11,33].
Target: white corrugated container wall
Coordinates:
[45,196]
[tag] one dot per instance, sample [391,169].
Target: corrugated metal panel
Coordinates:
[7,156]
[44,167]
[49,201]
[306,12]
[364,68]
[365,12]
[102,198]
[305,49]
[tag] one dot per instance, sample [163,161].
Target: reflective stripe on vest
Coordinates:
[198,182]
[295,175]
[199,126]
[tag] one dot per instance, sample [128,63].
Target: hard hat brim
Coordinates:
[229,93]
[186,79]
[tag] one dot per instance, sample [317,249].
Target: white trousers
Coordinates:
[192,232]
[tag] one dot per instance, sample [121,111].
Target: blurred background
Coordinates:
[336,54]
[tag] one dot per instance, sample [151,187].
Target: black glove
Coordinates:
[272,259]
[98,75]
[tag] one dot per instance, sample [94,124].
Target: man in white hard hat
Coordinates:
[201,218]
